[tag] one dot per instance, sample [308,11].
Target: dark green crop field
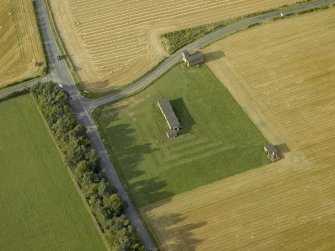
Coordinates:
[40,206]
[218,139]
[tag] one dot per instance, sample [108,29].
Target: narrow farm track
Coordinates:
[83,107]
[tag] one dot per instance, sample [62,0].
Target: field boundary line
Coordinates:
[325,6]
[45,69]
[145,81]
[70,174]
[219,25]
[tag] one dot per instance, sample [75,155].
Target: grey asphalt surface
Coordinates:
[83,107]
[58,72]
[206,40]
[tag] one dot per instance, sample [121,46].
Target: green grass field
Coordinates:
[40,206]
[218,141]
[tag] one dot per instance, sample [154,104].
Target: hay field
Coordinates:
[283,75]
[113,42]
[40,206]
[20,45]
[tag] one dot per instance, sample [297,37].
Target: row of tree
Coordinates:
[106,205]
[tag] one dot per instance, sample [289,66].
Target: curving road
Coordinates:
[206,40]
[83,107]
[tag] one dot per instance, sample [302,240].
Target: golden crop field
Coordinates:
[114,42]
[21,51]
[283,75]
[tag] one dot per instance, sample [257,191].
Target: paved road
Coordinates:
[83,107]
[210,38]
[59,73]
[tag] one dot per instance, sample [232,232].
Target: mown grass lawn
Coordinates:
[40,206]
[218,139]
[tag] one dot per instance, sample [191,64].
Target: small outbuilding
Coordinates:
[271,152]
[193,59]
[170,117]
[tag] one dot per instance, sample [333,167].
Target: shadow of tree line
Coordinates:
[176,237]
[126,156]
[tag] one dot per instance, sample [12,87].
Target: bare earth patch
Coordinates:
[283,76]
[112,43]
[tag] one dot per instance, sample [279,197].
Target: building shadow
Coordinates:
[126,155]
[212,56]
[282,149]
[182,114]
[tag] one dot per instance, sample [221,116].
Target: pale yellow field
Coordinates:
[113,42]
[21,52]
[283,75]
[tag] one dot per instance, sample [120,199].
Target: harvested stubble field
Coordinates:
[283,75]
[113,42]
[20,44]
[40,207]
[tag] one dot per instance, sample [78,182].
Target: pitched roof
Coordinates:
[194,56]
[270,148]
[168,113]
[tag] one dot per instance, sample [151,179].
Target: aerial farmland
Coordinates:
[217,140]
[21,51]
[288,91]
[167,125]
[112,43]
[36,214]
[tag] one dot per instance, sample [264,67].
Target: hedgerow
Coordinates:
[106,205]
